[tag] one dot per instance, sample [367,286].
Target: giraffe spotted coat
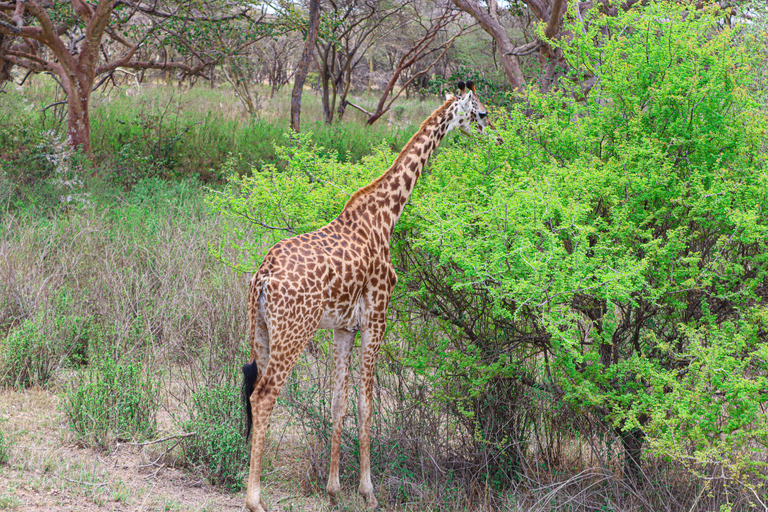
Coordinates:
[339,277]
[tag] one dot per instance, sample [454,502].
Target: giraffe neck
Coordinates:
[382,200]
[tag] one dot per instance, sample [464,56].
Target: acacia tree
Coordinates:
[548,12]
[276,61]
[430,30]
[489,20]
[611,254]
[88,42]
[542,42]
[348,30]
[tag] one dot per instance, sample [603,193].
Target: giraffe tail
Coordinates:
[251,370]
[250,376]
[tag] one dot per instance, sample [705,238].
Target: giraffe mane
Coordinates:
[367,188]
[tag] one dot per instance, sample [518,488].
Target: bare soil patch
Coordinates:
[48,471]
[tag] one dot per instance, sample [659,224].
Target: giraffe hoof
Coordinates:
[261,507]
[371,503]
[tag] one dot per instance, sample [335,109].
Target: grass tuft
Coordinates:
[219,447]
[112,401]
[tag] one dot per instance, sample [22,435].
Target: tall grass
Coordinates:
[158,130]
[126,274]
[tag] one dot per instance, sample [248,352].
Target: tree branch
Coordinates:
[554,19]
[9,27]
[18,14]
[99,18]
[526,49]
[152,11]
[188,70]
[499,34]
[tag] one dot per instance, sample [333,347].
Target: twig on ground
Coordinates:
[176,436]
[93,484]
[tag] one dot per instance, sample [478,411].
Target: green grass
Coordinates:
[5,448]
[157,130]
[219,446]
[113,401]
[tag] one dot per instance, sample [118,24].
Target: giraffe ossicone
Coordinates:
[339,277]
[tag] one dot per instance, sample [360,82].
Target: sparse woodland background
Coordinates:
[580,322]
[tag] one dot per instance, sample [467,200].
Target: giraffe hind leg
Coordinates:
[286,349]
[371,338]
[259,341]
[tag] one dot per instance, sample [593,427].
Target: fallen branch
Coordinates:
[156,441]
[96,484]
[361,109]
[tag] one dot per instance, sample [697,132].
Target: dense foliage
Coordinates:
[613,251]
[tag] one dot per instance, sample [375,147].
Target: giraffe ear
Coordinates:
[449,96]
[466,100]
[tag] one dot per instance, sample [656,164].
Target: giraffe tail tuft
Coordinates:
[250,376]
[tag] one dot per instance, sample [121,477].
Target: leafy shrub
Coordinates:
[171,142]
[612,252]
[112,401]
[218,445]
[28,356]
[31,353]
[308,193]
[56,337]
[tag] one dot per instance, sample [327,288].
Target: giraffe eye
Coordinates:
[483,115]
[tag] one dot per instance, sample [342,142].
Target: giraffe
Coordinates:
[339,277]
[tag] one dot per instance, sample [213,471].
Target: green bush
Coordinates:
[218,445]
[55,338]
[28,356]
[112,401]
[31,353]
[598,274]
[308,193]
[611,253]
[149,141]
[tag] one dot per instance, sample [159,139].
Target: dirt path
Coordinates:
[48,471]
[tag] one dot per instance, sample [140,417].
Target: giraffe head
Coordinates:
[469,112]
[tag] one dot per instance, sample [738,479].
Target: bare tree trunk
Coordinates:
[499,34]
[240,81]
[325,66]
[78,120]
[370,71]
[301,74]
[347,83]
[419,51]
[632,441]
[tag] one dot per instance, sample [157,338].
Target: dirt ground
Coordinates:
[48,471]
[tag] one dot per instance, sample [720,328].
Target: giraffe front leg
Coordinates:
[371,336]
[343,341]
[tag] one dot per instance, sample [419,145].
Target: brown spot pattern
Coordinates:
[339,277]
